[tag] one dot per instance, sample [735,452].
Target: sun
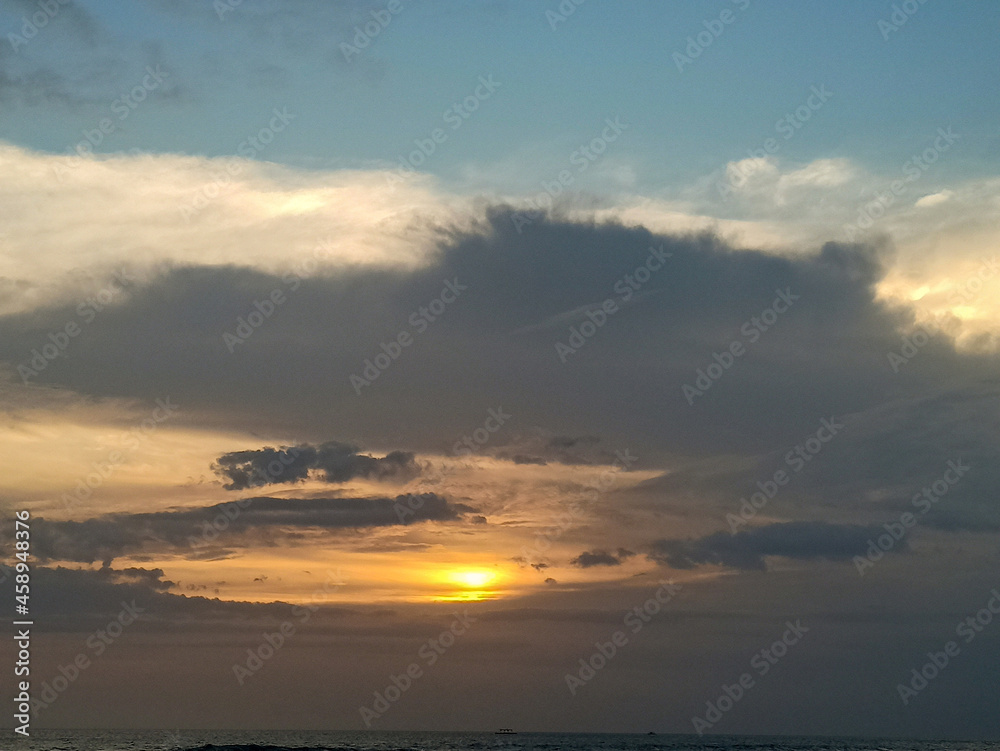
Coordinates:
[468,584]
[473,578]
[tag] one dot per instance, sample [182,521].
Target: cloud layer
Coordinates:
[336,463]
[748,549]
[218,529]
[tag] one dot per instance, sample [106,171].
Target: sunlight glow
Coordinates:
[475,579]
[469,585]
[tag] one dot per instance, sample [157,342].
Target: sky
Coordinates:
[564,366]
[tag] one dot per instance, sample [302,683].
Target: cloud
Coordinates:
[82,600]
[933,199]
[539,447]
[166,336]
[747,549]
[74,68]
[592,558]
[336,462]
[79,58]
[827,356]
[524,459]
[70,18]
[215,530]
[877,467]
[319,219]
[940,235]
[293,34]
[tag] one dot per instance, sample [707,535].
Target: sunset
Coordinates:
[485,374]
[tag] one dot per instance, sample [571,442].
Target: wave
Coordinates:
[256,747]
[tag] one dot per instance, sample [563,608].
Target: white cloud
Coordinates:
[821,173]
[933,199]
[76,219]
[942,241]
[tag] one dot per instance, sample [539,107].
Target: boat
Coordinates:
[505,731]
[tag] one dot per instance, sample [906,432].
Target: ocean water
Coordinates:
[245,740]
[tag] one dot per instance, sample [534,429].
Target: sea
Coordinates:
[245,740]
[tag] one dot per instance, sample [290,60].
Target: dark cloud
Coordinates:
[826,356]
[74,63]
[697,304]
[538,447]
[747,549]
[887,461]
[522,459]
[563,441]
[66,599]
[336,463]
[214,529]
[281,37]
[592,558]
[70,19]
